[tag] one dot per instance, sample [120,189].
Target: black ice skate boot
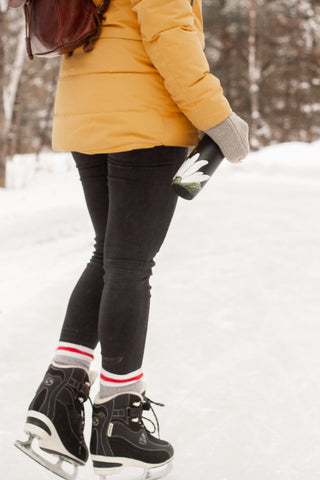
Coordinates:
[120,439]
[56,418]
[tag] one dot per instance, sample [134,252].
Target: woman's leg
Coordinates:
[141,205]
[55,415]
[79,335]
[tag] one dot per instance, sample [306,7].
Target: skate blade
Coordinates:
[26,447]
[152,473]
[157,472]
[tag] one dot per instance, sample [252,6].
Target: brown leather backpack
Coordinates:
[54,27]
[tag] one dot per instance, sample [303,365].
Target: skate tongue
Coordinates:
[98,399]
[93,374]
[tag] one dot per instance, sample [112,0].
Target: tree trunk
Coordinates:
[8,93]
[3,140]
[15,75]
[254,73]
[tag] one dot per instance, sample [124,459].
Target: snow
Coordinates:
[233,340]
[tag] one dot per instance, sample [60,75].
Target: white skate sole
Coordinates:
[39,427]
[116,465]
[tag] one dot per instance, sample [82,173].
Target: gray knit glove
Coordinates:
[232,136]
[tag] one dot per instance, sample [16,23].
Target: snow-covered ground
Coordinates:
[234,336]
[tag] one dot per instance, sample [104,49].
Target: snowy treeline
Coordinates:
[26,92]
[266,53]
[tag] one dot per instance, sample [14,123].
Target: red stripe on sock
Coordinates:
[75,350]
[113,380]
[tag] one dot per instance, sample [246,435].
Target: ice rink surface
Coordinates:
[234,333]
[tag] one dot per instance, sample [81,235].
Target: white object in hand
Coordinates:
[189,170]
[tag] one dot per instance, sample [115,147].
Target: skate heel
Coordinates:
[37,428]
[40,426]
[103,466]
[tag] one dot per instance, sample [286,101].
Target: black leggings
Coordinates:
[131,203]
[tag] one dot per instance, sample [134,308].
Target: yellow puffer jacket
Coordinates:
[145,83]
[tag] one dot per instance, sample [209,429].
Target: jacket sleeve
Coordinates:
[171,41]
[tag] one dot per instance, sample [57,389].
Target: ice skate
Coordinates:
[55,420]
[120,439]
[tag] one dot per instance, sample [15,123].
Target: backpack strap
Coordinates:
[102,8]
[99,16]
[16,3]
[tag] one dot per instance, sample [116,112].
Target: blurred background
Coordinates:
[266,53]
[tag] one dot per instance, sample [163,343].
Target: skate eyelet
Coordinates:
[95,421]
[49,381]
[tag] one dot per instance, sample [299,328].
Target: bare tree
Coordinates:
[253,69]
[3,143]
[9,82]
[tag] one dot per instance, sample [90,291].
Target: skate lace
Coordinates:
[82,396]
[146,404]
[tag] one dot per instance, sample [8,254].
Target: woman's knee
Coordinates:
[127,270]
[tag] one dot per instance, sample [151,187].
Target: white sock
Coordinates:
[73,355]
[112,384]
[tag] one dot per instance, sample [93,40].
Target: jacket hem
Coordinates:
[121,148]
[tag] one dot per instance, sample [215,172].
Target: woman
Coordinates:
[128,110]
